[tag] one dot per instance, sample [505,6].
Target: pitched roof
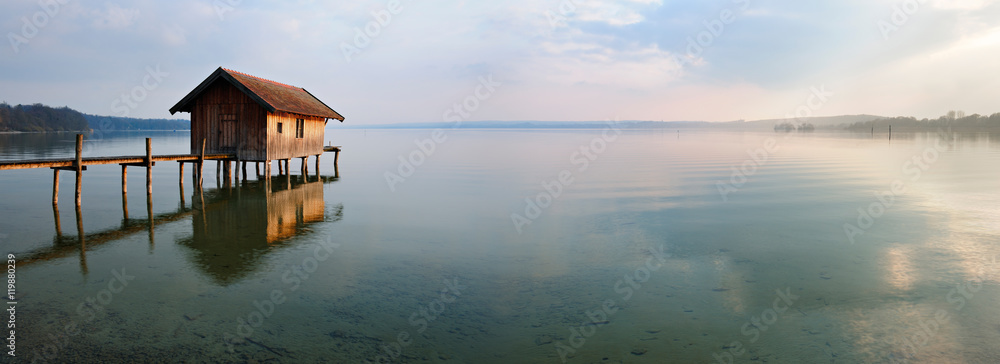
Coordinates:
[272,96]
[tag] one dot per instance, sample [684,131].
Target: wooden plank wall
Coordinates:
[285,145]
[223,101]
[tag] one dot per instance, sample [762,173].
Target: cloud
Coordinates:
[114,17]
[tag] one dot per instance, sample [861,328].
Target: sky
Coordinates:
[379,62]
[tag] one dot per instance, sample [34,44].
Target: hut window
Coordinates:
[279,128]
[300,128]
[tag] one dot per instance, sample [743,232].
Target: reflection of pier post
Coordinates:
[149,213]
[82,238]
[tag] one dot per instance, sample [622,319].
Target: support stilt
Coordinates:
[79,168]
[55,187]
[149,166]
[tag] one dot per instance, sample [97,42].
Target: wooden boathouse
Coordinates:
[255,119]
[234,117]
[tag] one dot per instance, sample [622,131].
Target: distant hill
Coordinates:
[953,121]
[41,118]
[124,124]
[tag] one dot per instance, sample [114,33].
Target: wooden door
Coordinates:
[227,133]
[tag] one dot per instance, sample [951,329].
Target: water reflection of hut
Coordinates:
[229,238]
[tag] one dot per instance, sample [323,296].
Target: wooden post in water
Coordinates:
[124,179]
[244,170]
[305,166]
[55,214]
[79,168]
[267,172]
[55,187]
[201,164]
[125,208]
[181,174]
[336,156]
[317,164]
[257,166]
[890,132]
[149,166]
[281,168]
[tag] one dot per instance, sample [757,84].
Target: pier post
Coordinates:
[317,164]
[281,168]
[257,166]
[55,187]
[244,170]
[267,171]
[149,166]
[55,214]
[201,164]
[181,179]
[124,179]
[79,167]
[305,166]
[336,156]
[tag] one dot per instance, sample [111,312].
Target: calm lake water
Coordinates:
[644,247]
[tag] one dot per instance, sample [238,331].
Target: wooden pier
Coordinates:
[148,161]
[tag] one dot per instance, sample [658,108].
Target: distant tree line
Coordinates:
[98,122]
[789,127]
[41,118]
[956,120]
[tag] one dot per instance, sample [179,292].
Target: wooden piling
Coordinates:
[336,156]
[257,166]
[201,164]
[55,214]
[78,165]
[149,166]
[124,179]
[317,164]
[55,187]
[267,171]
[125,209]
[244,170]
[281,168]
[181,179]
[305,166]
